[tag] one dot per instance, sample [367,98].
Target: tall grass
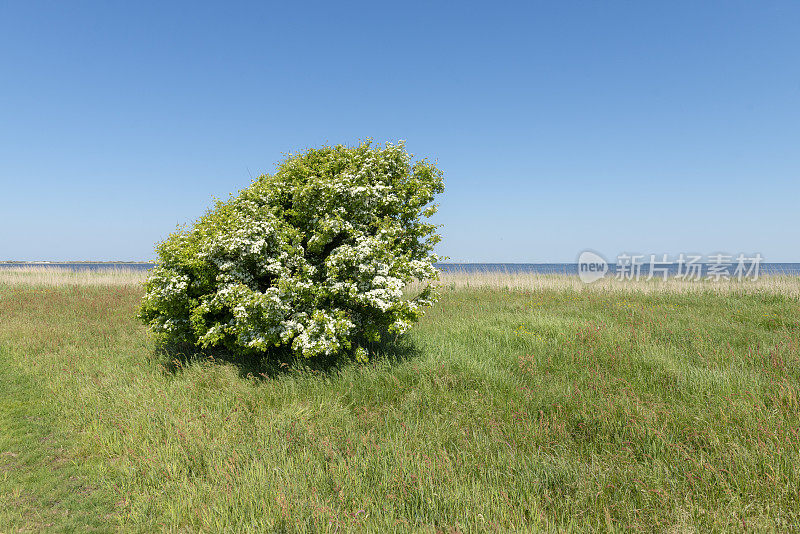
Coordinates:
[773,284]
[121,276]
[59,276]
[545,407]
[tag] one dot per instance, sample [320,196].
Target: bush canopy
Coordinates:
[312,259]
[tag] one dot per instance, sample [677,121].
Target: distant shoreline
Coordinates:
[566,269]
[41,262]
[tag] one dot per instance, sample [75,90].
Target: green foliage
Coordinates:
[311,260]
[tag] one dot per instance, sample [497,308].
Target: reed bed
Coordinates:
[60,276]
[786,285]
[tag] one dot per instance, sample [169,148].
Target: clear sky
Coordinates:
[653,127]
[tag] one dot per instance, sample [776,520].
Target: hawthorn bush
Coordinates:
[312,259]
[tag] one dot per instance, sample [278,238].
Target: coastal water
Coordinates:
[81,266]
[790,269]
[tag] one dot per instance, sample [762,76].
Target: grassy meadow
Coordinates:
[518,403]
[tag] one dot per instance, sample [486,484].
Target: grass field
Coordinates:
[515,405]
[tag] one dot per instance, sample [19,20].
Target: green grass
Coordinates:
[518,410]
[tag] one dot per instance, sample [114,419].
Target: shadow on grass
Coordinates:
[393,349]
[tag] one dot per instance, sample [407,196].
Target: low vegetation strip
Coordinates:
[785,285]
[545,407]
[788,286]
[59,276]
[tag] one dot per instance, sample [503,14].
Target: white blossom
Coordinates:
[306,258]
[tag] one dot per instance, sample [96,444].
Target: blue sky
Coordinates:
[652,127]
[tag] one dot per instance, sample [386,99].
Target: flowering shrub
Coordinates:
[312,259]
